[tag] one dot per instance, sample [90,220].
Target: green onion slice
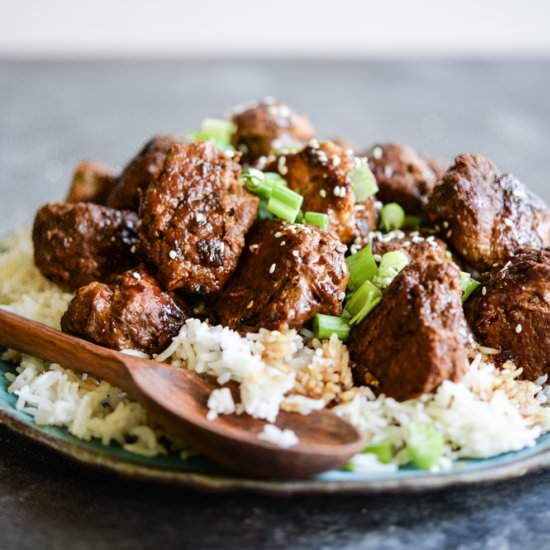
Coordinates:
[392,216]
[316,218]
[382,450]
[412,222]
[424,444]
[263,213]
[361,266]
[324,326]
[390,265]
[468,284]
[216,130]
[256,182]
[363,301]
[284,203]
[363,183]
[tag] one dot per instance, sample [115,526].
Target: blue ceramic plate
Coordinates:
[200,473]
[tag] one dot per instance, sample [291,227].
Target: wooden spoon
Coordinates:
[177,399]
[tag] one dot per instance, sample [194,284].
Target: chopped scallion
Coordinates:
[263,212]
[383,451]
[392,216]
[256,182]
[412,222]
[424,444]
[316,218]
[363,183]
[324,326]
[216,130]
[391,264]
[284,203]
[468,284]
[361,266]
[363,301]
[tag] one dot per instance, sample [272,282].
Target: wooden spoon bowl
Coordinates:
[177,399]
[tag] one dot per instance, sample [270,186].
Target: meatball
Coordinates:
[485,215]
[195,216]
[92,182]
[414,339]
[268,126]
[320,173]
[286,275]
[75,244]
[131,312]
[403,176]
[139,173]
[511,311]
[415,245]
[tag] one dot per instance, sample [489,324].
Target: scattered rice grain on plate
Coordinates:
[281,438]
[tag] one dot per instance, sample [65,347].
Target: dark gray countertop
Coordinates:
[51,115]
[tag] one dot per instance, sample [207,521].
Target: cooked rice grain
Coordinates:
[489,412]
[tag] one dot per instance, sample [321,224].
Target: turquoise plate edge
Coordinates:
[198,472]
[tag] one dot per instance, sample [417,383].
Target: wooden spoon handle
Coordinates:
[54,346]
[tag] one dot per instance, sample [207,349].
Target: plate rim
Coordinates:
[216,483]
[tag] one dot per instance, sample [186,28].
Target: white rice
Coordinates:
[281,438]
[489,412]
[220,402]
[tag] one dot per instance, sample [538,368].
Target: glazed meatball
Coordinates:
[286,275]
[269,126]
[75,244]
[139,173]
[195,216]
[510,311]
[131,312]
[485,215]
[320,173]
[92,182]
[415,245]
[414,339]
[403,176]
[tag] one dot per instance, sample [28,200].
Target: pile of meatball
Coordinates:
[177,235]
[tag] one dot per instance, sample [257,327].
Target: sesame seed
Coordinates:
[449,233]
[136,275]
[519,328]
[377,152]
[281,166]
[278,235]
[323,193]
[445,224]
[484,290]
[283,243]
[295,253]
[172,254]
[250,304]
[253,247]
[272,268]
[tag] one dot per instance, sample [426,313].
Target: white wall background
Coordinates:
[131,28]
